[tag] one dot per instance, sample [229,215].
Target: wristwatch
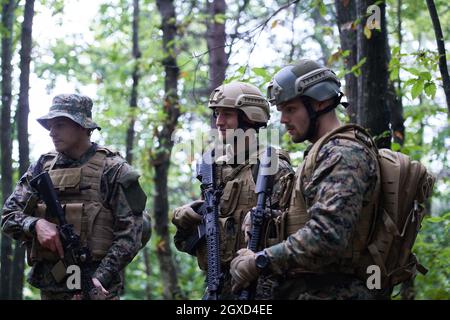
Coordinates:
[262,261]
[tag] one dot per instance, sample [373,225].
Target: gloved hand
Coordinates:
[243,270]
[185,217]
[246,227]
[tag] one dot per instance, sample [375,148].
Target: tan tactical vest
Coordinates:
[297,215]
[237,199]
[78,190]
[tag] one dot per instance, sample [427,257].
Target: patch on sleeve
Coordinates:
[136,197]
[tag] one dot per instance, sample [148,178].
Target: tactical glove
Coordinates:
[185,217]
[243,270]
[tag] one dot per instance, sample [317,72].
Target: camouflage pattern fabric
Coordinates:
[76,107]
[127,226]
[48,295]
[344,180]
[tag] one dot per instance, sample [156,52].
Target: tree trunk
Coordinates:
[441,49]
[135,78]
[161,157]
[394,97]
[6,144]
[346,16]
[22,133]
[215,38]
[293,46]
[373,112]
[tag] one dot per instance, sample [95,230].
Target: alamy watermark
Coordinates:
[373,21]
[232,146]
[73,282]
[374,280]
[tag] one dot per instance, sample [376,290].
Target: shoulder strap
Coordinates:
[351,132]
[48,160]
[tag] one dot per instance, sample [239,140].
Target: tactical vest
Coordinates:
[237,199]
[297,215]
[78,190]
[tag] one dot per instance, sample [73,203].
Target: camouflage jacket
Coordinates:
[126,202]
[343,181]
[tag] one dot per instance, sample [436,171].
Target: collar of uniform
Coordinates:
[308,148]
[65,161]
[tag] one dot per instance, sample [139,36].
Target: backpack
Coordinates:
[405,186]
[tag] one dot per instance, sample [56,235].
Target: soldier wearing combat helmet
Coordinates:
[101,196]
[333,197]
[236,106]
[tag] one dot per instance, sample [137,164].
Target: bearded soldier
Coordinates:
[240,107]
[333,198]
[101,197]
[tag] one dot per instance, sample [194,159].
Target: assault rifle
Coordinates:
[74,253]
[210,226]
[267,168]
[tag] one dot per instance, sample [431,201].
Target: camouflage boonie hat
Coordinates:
[76,107]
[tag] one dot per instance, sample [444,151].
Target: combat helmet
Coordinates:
[308,80]
[244,97]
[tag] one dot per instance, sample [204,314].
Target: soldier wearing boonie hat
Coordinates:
[76,107]
[100,194]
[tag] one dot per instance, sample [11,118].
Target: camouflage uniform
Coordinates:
[308,261]
[120,193]
[235,203]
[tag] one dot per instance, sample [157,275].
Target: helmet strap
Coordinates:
[314,115]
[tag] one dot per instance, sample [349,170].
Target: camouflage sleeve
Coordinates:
[127,201]
[345,173]
[15,222]
[281,182]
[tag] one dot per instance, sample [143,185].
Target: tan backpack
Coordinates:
[405,185]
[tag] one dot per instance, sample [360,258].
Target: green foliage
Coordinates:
[432,247]
[422,74]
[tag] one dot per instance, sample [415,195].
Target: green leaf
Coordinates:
[425,75]
[396,146]
[322,9]
[430,89]
[220,18]
[417,89]
[409,82]
[395,51]
[414,71]
[367,32]
[262,72]
[436,219]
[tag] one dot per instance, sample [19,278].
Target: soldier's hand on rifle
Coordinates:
[48,236]
[185,217]
[243,270]
[247,222]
